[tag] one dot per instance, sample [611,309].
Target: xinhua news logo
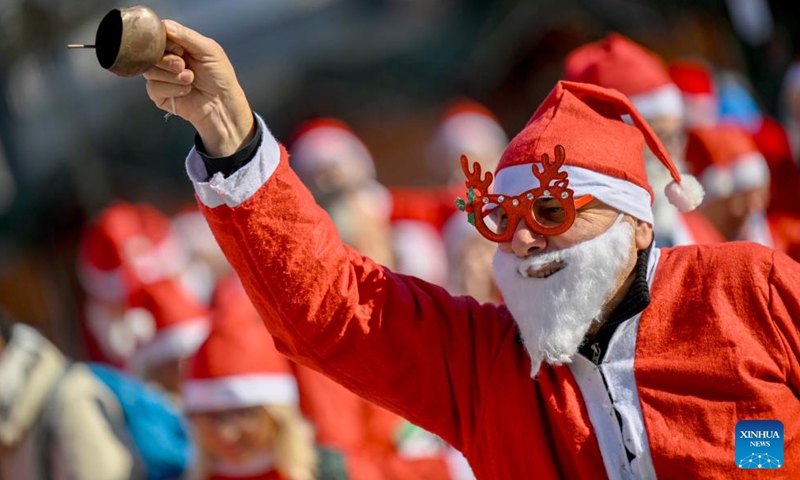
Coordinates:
[759,444]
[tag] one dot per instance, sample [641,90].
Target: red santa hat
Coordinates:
[126,245]
[238,366]
[181,324]
[699,94]
[619,63]
[603,155]
[466,128]
[325,144]
[726,160]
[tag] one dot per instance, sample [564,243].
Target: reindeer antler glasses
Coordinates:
[548,209]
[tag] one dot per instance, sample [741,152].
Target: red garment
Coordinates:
[718,343]
[432,205]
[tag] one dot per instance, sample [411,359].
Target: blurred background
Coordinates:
[74,137]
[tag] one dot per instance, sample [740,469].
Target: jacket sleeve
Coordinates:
[784,304]
[404,343]
[89,430]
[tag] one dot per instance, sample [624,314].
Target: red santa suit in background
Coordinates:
[126,246]
[619,63]
[717,343]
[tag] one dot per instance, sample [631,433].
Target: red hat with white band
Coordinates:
[181,324]
[125,246]
[699,94]
[726,160]
[619,63]
[238,366]
[575,147]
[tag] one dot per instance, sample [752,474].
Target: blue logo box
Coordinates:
[759,444]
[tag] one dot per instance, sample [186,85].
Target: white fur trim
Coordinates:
[326,147]
[104,284]
[244,183]
[666,101]
[750,171]
[612,386]
[239,391]
[615,192]
[717,182]
[178,341]
[687,195]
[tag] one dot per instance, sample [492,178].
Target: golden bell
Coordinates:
[130,41]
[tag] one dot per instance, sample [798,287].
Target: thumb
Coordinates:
[195,44]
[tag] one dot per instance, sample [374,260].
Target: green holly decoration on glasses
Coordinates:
[466,206]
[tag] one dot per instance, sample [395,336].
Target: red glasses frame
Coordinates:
[553,185]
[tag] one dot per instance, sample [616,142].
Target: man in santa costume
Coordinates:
[612,358]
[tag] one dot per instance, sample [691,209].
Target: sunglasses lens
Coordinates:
[549,212]
[497,220]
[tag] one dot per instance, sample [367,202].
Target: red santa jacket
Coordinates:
[718,343]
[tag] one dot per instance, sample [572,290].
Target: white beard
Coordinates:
[554,313]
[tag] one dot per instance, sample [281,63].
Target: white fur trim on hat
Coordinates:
[621,194]
[687,195]
[717,182]
[750,171]
[665,101]
[326,147]
[178,341]
[239,391]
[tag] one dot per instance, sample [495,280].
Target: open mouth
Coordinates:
[544,271]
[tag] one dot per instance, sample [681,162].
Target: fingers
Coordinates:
[160,92]
[192,42]
[174,48]
[185,77]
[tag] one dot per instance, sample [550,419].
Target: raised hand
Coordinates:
[196,73]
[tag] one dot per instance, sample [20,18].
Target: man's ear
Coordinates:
[644,234]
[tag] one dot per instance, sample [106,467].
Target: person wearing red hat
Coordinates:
[619,63]
[125,246]
[612,358]
[736,178]
[338,169]
[241,396]
[696,83]
[180,324]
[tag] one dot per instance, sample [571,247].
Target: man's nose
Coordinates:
[526,242]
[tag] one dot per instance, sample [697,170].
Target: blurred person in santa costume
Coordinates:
[466,128]
[338,169]
[376,443]
[736,179]
[611,356]
[205,263]
[242,398]
[695,80]
[619,63]
[125,246]
[180,325]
